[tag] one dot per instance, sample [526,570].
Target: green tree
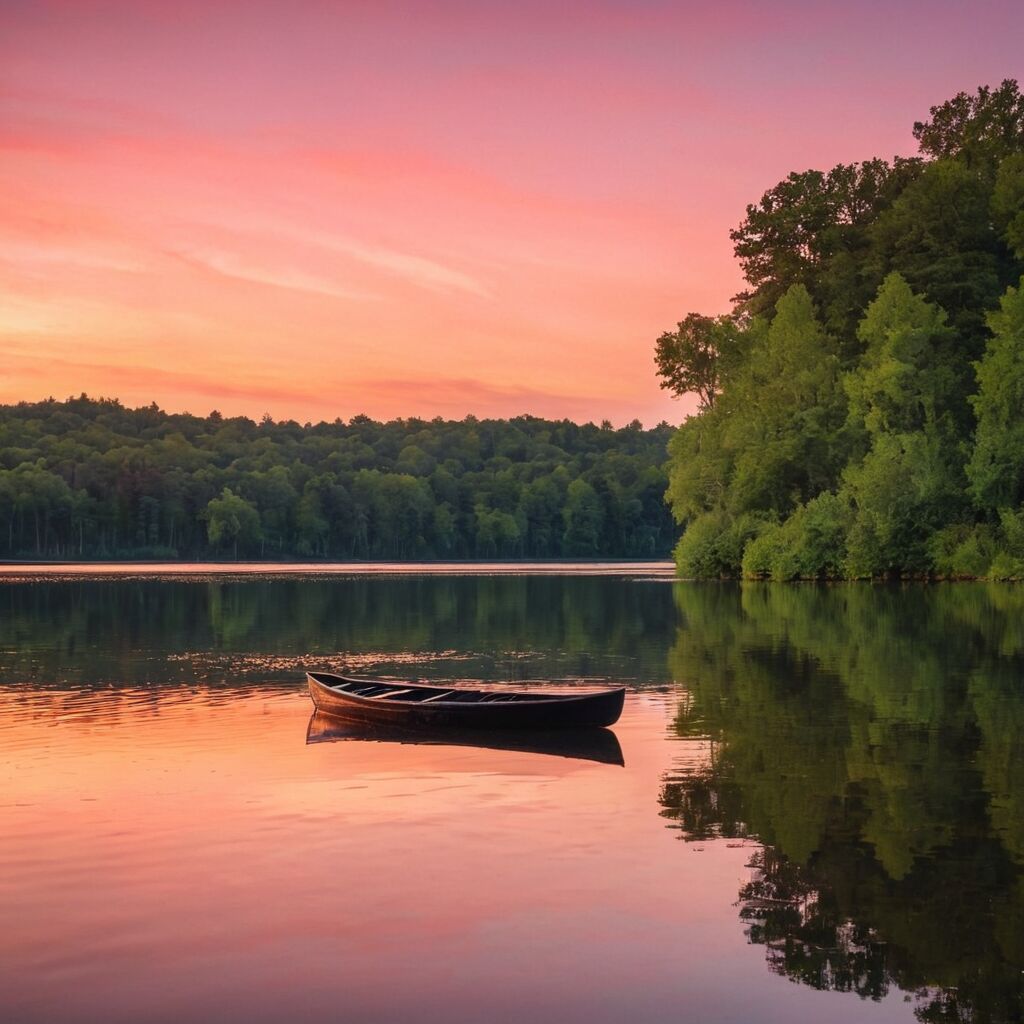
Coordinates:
[910,376]
[996,468]
[981,129]
[584,518]
[808,228]
[698,356]
[849,391]
[785,414]
[939,234]
[905,395]
[1008,203]
[810,544]
[230,519]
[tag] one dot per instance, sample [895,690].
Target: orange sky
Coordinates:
[320,209]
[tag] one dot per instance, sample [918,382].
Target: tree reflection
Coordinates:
[872,739]
[152,631]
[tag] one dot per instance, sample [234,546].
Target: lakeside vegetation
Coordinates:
[92,479]
[862,408]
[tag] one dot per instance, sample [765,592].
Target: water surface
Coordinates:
[819,816]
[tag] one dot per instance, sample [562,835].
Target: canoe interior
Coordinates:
[417,693]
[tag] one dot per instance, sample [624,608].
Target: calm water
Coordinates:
[820,815]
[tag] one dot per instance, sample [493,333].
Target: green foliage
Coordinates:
[713,544]
[963,551]
[904,393]
[1008,203]
[230,519]
[907,378]
[698,356]
[996,468]
[87,478]
[700,466]
[811,229]
[584,518]
[906,487]
[774,440]
[697,553]
[1009,562]
[810,544]
[940,236]
[848,419]
[982,129]
[786,412]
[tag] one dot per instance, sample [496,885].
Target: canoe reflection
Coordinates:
[590,744]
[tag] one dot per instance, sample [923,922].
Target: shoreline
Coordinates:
[604,567]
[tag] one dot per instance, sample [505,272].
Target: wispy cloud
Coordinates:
[241,268]
[418,270]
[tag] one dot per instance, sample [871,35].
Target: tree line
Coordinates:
[862,407]
[88,478]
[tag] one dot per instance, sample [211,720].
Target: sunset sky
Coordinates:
[319,209]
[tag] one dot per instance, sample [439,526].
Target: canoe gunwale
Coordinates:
[563,710]
[381,698]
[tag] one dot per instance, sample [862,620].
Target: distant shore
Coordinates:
[577,567]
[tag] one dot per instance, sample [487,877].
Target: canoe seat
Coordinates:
[391,693]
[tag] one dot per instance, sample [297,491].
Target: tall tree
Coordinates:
[230,519]
[806,228]
[996,468]
[785,414]
[697,357]
[981,129]
[904,392]
[939,234]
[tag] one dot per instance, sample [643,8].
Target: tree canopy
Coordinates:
[91,478]
[867,420]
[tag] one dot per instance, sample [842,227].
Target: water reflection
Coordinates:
[89,632]
[872,739]
[851,760]
[600,745]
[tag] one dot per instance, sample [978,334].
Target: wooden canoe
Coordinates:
[589,743]
[407,705]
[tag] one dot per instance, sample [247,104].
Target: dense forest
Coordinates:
[88,478]
[862,407]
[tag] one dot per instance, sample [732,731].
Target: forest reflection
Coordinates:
[88,632]
[869,738]
[872,739]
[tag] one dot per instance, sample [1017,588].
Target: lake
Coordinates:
[812,808]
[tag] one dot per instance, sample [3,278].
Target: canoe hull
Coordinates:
[569,712]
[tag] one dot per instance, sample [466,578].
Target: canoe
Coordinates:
[375,702]
[588,743]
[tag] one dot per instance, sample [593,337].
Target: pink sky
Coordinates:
[319,209]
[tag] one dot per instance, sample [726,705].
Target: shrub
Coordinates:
[962,551]
[763,552]
[810,544]
[713,544]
